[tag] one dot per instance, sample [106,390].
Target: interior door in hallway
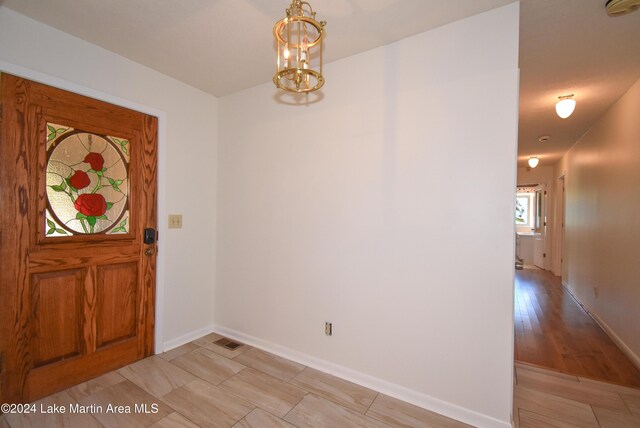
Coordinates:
[77,289]
[540,224]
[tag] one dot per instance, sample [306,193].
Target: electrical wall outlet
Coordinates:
[175,221]
[328,328]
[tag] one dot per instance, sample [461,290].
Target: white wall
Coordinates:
[538,175]
[387,209]
[188,151]
[602,223]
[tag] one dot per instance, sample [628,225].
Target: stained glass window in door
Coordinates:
[87,183]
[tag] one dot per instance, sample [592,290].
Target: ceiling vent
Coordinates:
[621,7]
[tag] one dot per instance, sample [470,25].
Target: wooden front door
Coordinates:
[78,187]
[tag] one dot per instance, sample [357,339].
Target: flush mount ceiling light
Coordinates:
[299,38]
[565,105]
[621,7]
[533,161]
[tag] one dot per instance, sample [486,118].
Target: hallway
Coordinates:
[553,331]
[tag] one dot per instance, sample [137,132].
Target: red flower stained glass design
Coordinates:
[79,180]
[87,183]
[91,204]
[95,160]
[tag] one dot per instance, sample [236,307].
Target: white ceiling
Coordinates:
[222,46]
[571,47]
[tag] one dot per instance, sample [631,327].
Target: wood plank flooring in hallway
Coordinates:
[552,330]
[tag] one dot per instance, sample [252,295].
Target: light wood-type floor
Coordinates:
[545,398]
[204,384]
[553,331]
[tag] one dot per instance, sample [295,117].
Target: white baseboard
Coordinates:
[616,339]
[186,338]
[635,359]
[391,389]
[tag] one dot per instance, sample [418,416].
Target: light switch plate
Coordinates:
[175,221]
[328,328]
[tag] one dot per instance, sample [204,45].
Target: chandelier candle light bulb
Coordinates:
[301,32]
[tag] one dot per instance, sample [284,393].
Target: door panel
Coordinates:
[117,288]
[78,184]
[57,323]
[539,245]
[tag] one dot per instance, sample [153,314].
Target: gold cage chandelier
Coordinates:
[299,37]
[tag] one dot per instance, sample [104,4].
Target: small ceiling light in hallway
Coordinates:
[565,106]
[621,7]
[299,42]
[533,161]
